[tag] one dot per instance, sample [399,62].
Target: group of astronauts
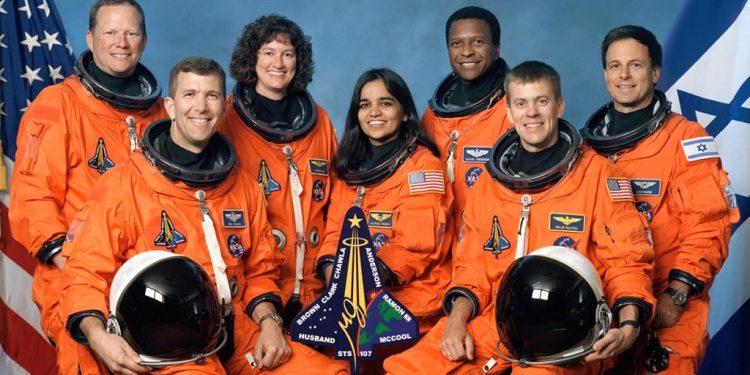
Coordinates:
[106,169]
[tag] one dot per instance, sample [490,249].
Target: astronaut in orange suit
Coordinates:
[286,142]
[389,167]
[72,134]
[679,187]
[548,190]
[183,194]
[467,113]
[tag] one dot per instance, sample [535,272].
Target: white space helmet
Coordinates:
[166,307]
[550,308]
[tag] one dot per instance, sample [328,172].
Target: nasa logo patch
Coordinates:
[319,191]
[379,240]
[566,241]
[645,209]
[235,246]
[472,175]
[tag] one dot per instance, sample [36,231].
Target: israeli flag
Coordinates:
[706,75]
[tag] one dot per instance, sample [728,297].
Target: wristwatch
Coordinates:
[273,316]
[679,297]
[632,323]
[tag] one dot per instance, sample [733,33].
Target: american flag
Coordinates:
[426,182]
[34,52]
[619,189]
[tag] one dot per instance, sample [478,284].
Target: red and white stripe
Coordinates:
[426,182]
[620,189]
[23,347]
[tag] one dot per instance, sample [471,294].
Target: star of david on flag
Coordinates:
[706,76]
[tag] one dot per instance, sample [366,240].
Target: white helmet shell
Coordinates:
[576,261]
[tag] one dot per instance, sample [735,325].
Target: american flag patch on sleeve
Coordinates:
[620,189]
[426,182]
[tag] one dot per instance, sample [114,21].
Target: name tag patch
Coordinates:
[318,166]
[380,219]
[233,218]
[645,186]
[476,154]
[561,222]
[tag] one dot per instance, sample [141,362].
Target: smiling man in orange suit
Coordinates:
[680,188]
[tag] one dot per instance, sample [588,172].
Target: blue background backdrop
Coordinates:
[405,35]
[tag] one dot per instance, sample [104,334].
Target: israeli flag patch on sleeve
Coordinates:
[700,148]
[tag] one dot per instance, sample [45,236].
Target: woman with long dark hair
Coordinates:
[388,166]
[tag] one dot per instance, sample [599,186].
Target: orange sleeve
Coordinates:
[263,264]
[705,214]
[333,220]
[471,278]
[419,234]
[622,246]
[40,173]
[96,251]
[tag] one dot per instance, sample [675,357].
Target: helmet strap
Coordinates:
[113,326]
[299,224]
[523,227]
[214,251]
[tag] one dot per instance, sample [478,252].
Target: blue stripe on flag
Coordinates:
[698,140]
[679,56]
[731,342]
[706,74]
[703,155]
[724,112]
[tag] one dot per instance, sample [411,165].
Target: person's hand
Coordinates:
[112,350]
[457,343]
[616,341]
[59,261]
[667,313]
[271,349]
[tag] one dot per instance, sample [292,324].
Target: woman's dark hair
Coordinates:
[264,30]
[355,145]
